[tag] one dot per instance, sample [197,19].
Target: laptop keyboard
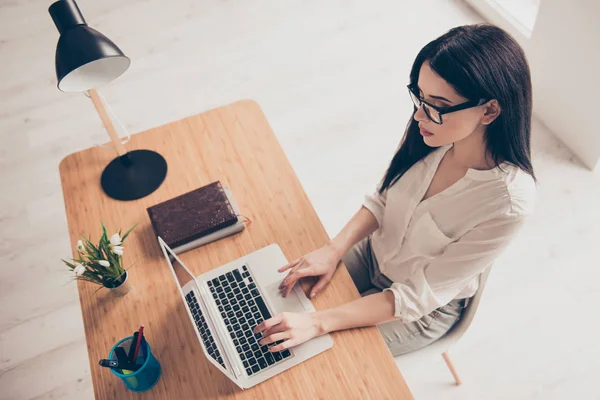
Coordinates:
[207,338]
[243,308]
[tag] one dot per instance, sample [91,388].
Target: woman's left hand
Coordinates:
[292,328]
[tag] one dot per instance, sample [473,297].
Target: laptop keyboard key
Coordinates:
[269,359]
[286,353]
[255,368]
[263,308]
[277,356]
[238,276]
[262,363]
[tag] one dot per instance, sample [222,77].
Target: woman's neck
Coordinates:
[471,152]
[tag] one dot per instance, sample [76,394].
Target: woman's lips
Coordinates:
[425,133]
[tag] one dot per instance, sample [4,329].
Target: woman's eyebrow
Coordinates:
[436,97]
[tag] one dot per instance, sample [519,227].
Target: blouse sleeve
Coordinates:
[448,274]
[375,203]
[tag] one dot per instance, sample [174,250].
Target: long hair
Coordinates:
[479,61]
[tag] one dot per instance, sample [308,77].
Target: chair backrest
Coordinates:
[454,334]
[469,312]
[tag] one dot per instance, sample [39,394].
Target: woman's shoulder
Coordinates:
[521,188]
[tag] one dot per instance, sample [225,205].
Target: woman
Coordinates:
[456,192]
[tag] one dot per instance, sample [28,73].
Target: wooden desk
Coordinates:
[233,144]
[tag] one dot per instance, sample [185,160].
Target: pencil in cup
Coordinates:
[149,372]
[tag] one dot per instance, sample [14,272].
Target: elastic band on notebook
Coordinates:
[247,219]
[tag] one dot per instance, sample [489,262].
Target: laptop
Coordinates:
[227,303]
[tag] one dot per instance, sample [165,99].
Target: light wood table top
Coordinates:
[233,144]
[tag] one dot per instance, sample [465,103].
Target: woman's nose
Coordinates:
[420,114]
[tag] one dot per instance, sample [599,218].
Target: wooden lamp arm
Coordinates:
[110,128]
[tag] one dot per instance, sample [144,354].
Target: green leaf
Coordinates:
[90,247]
[104,232]
[72,266]
[127,233]
[79,278]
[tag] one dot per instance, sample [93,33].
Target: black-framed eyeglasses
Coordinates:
[435,113]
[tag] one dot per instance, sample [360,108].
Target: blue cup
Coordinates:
[146,376]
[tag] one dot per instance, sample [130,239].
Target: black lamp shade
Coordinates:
[85,58]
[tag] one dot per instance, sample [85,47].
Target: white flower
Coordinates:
[117,250]
[79,269]
[104,263]
[115,240]
[80,246]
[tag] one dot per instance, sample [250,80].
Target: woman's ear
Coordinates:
[492,111]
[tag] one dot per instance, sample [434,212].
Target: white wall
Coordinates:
[564,56]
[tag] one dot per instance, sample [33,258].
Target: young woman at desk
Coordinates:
[456,192]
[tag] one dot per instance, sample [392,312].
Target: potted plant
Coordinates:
[102,264]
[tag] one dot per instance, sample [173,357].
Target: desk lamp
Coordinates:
[86,59]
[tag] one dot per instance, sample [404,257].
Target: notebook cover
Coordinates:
[220,234]
[192,215]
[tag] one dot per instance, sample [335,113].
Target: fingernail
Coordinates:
[312,295]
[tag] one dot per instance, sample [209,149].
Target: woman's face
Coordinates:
[456,125]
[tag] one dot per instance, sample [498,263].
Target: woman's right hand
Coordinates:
[321,262]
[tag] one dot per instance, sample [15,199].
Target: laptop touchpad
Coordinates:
[291,303]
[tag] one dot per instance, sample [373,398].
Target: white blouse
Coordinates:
[434,250]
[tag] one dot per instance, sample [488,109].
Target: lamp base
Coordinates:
[134,175]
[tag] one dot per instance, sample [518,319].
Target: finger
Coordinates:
[286,280]
[268,323]
[280,327]
[296,276]
[296,268]
[274,338]
[319,285]
[289,265]
[282,346]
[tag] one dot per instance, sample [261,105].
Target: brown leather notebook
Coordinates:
[192,215]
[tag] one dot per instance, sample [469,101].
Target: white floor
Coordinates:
[331,78]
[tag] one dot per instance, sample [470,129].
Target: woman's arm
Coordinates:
[370,310]
[297,328]
[324,261]
[361,225]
